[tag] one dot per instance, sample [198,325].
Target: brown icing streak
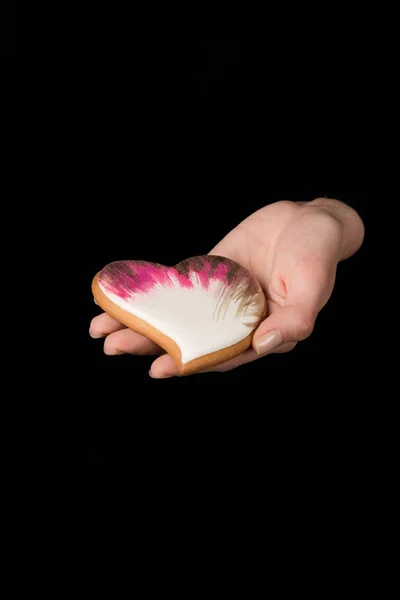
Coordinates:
[183,268]
[233,273]
[239,286]
[244,291]
[109,273]
[196,263]
[214,262]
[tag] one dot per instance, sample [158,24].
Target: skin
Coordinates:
[293,249]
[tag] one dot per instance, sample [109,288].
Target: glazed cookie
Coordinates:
[203,311]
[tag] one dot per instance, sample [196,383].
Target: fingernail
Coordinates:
[112,351]
[161,375]
[268,342]
[94,336]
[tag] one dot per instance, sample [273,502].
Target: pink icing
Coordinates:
[127,278]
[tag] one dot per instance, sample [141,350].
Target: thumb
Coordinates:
[286,325]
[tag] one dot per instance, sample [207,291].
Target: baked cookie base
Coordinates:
[140,326]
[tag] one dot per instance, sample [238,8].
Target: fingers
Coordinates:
[307,291]
[119,339]
[245,358]
[287,325]
[103,325]
[127,341]
[164,367]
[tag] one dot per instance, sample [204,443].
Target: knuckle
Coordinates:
[288,347]
[305,327]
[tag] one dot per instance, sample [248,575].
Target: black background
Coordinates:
[177,147]
[7,29]
[173,144]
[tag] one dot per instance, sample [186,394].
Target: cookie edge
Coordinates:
[138,325]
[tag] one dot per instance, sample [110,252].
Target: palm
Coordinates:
[287,250]
[293,250]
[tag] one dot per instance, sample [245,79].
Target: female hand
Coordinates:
[293,249]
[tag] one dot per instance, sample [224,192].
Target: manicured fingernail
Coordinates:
[160,376]
[112,351]
[94,336]
[268,342]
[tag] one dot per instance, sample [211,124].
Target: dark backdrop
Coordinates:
[7,29]
[177,146]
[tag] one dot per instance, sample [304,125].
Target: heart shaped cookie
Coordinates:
[202,312]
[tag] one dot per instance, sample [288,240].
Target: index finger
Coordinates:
[103,325]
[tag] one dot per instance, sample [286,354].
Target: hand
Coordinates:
[293,249]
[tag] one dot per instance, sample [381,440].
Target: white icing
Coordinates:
[188,316]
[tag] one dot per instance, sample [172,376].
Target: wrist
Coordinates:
[353,229]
